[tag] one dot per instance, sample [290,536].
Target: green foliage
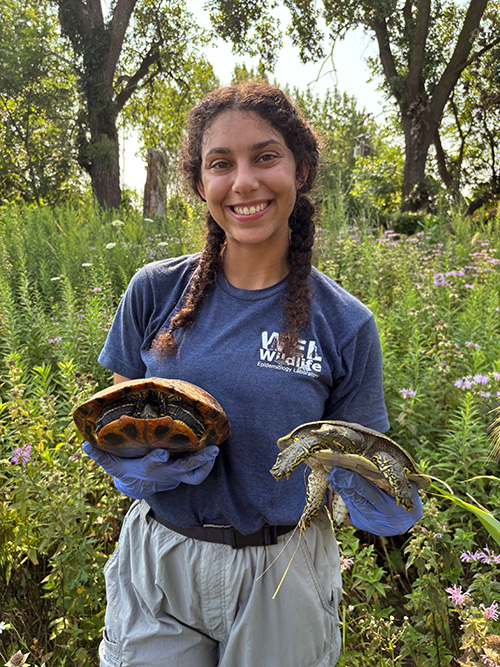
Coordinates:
[435,298]
[37,107]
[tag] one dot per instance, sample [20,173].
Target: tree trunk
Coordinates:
[419,131]
[155,189]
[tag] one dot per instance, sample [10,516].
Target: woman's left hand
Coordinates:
[370,508]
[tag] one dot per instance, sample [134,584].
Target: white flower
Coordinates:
[162,243]
[118,223]
[108,246]
[86,264]
[56,278]
[3,625]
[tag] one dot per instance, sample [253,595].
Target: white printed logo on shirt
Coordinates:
[272,356]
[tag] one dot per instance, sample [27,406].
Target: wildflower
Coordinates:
[56,278]
[469,286]
[496,376]
[22,455]
[468,343]
[407,393]
[86,264]
[109,246]
[456,595]
[3,625]
[97,289]
[118,223]
[439,279]
[55,339]
[345,563]
[491,611]
[481,379]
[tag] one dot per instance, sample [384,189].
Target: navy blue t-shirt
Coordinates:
[231,351]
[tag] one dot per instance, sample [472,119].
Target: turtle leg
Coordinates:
[338,510]
[317,485]
[396,477]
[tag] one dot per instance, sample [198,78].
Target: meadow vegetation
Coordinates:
[430,597]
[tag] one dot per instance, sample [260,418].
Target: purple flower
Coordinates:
[481,379]
[456,595]
[468,343]
[407,393]
[439,279]
[491,611]
[469,286]
[345,563]
[21,456]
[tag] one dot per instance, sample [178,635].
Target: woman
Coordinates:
[278,344]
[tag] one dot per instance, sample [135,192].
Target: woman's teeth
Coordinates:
[249,210]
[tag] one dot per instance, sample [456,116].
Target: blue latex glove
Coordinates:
[370,508]
[141,477]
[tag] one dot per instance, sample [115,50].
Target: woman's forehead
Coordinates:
[236,128]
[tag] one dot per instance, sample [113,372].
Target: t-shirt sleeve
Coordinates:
[357,394]
[126,338]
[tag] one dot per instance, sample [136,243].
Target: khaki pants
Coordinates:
[178,602]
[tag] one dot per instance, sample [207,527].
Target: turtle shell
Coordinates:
[356,456]
[131,418]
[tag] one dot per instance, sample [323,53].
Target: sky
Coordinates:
[348,72]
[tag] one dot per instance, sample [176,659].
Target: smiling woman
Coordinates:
[277,344]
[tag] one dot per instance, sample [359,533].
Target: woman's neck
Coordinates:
[253,268]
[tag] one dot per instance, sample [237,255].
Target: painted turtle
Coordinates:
[131,418]
[326,444]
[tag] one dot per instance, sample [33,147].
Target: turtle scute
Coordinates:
[131,418]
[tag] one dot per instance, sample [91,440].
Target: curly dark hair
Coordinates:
[275,107]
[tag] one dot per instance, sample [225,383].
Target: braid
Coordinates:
[209,265]
[298,297]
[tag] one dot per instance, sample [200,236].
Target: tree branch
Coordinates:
[81,13]
[118,28]
[417,50]
[149,59]
[379,26]
[459,58]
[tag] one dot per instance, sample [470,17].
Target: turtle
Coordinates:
[328,443]
[133,417]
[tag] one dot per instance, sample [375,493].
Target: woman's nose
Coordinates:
[245,178]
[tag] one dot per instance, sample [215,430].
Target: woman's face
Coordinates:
[248,178]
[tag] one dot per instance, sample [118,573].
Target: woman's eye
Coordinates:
[220,164]
[266,157]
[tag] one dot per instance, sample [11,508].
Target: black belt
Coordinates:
[227,535]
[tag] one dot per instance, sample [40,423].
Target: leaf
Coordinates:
[491,524]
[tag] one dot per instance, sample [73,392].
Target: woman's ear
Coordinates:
[201,189]
[301,176]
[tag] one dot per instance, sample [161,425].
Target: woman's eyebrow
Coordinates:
[226,151]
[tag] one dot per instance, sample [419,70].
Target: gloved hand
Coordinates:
[140,477]
[370,508]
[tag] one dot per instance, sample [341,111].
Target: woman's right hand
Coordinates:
[141,477]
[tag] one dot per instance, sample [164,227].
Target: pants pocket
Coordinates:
[110,652]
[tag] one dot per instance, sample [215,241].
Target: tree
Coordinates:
[37,105]
[158,112]
[116,55]
[419,74]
